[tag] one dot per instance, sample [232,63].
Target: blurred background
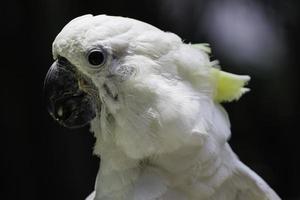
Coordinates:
[41,160]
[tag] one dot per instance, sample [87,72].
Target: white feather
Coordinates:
[164,137]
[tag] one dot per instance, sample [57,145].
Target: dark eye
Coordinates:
[96,57]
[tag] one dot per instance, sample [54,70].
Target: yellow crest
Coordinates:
[229,86]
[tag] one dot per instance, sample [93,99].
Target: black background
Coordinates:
[41,160]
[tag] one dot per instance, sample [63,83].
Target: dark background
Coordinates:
[41,160]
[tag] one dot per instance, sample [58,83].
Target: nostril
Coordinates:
[62,61]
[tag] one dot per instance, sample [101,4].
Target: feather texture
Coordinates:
[160,132]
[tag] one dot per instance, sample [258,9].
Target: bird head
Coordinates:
[133,71]
[95,57]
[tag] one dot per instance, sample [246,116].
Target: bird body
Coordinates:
[160,129]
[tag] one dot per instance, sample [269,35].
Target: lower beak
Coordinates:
[66,103]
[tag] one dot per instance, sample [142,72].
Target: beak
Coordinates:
[66,102]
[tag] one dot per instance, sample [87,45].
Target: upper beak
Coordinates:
[66,102]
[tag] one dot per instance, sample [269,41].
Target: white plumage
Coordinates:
[161,133]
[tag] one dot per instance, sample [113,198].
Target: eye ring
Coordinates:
[96,57]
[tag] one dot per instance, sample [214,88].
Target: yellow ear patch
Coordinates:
[229,86]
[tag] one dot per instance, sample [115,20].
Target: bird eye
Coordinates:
[96,57]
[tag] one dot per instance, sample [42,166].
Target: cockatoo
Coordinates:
[153,104]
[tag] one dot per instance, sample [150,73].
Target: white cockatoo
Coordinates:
[153,103]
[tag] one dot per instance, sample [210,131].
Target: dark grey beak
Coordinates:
[66,102]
